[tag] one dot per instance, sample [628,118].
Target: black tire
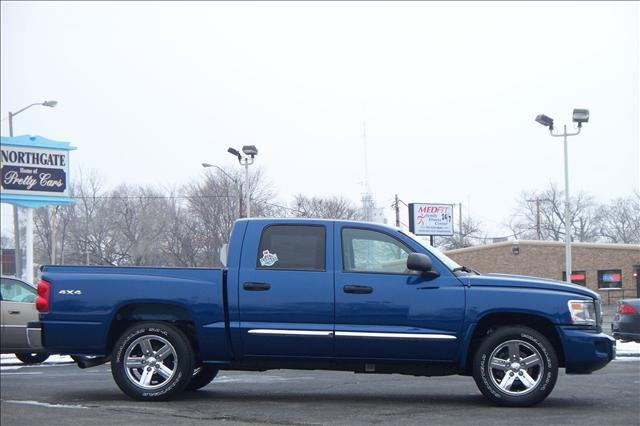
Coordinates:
[160,361]
[515,366]
[32,358]
[201,377]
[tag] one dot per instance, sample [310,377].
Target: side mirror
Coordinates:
[419,262]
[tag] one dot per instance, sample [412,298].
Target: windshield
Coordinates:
[450,263]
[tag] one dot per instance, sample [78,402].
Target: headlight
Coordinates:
[583,312]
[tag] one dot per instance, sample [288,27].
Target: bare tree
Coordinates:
[139,216]
[6,242]
[551,204]
[619,222]
[471,235]
[214,204]
[325,207]
[180,241]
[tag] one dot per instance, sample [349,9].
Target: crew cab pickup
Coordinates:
[322,294]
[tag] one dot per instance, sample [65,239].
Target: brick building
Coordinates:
[8,257]
[610,269]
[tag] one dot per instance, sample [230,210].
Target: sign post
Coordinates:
[427,219]
[34,173]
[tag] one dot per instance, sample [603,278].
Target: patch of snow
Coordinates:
[627,349]
[10,359]
[45,404]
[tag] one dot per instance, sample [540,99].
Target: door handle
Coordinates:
[14,312]
[256,286]
[357,289]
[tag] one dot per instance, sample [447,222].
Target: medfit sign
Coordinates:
[431,219]
[35,171]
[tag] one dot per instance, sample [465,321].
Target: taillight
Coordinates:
[626,310]
[44,295]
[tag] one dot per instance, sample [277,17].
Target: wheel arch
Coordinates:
[490,322]
[174,314]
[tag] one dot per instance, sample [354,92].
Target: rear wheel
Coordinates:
[152,361]
[32,358]
[515,366]
[202,376]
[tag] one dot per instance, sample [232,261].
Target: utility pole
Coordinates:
[396,205]
[460,223]
[538,230]
[54,217]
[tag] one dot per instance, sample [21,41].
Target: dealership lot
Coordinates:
[60,393]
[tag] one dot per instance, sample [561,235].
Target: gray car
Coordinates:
[626,323]
[17,302]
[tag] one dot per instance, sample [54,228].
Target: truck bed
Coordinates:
[90,304]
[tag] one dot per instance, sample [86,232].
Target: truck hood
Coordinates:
[502,280]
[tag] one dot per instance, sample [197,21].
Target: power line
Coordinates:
[174,197]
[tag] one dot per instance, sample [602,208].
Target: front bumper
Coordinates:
[34,334]
[585,350]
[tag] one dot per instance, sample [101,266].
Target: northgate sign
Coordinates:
[34,172]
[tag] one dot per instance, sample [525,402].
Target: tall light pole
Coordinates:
[16,222]
[250,151]
[579,116]
[234,180]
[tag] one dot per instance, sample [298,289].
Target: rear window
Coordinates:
[292,247]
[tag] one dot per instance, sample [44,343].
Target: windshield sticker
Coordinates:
[268,259]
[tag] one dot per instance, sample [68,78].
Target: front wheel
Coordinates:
[32,358]
[152,361]
[515,366]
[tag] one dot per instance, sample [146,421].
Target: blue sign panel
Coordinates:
[34,179]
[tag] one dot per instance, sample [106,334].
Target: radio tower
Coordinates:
[367,198]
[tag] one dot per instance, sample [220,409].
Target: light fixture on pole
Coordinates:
[579,116]
[250,151]
[16,224]
[234,180]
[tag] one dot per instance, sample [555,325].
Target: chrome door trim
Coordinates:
[374,335]
[395,335]
[276,332]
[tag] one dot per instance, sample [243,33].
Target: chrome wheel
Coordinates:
[150,362]
[516,367]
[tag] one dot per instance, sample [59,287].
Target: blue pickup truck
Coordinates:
[322,294]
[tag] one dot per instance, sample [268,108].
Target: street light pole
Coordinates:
[567,208]
[250,151]
[579,116]
[16,222]
[247,193]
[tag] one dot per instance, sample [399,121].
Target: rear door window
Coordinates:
[292,247]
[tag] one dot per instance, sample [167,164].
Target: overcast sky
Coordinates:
[449,92]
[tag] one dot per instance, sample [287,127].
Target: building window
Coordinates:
[610,278]
[577,277]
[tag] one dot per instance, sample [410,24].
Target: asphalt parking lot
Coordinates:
[62,394]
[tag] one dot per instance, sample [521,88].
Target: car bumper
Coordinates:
[626,328]
[586,350]
[632,337]
[34,335]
